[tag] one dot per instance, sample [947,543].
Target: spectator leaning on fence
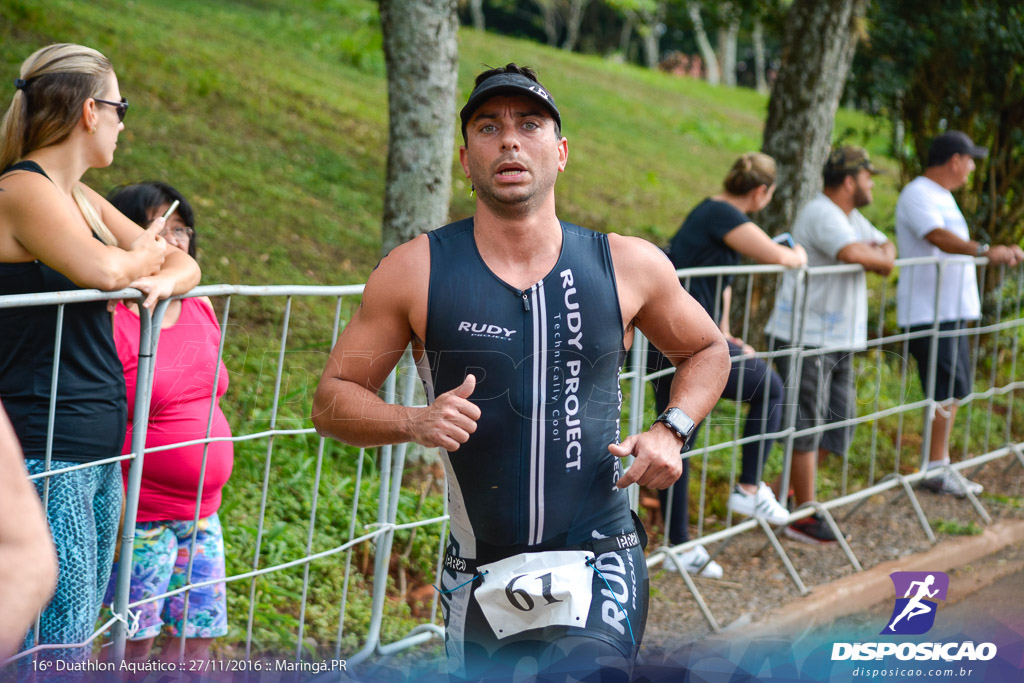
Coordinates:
[929,224]
[544,562]
[24,543]
[56,234]
[719,232]
[183,386]
[834,232]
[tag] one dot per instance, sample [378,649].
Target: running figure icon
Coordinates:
[915,607]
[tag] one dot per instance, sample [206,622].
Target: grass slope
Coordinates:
[273,116]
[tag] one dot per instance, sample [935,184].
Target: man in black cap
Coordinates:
[832,312]
[520,323]
[929,224]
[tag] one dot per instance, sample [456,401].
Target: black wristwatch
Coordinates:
[680,423]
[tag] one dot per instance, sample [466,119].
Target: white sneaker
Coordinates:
[951,482]
[760,504]
[692,561]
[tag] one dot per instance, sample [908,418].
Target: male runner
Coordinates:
[520,324]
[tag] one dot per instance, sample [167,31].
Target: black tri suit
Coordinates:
[536,475]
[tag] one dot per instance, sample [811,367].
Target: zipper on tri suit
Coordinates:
[526,300]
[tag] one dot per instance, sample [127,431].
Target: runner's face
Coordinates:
[511,155]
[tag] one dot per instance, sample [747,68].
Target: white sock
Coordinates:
[932,464]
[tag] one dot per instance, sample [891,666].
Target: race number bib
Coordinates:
[534,590]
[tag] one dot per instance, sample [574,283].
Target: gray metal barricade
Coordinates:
[872,356]
[377,636]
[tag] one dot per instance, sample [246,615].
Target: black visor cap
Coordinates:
[508,84]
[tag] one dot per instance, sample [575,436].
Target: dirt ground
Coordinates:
[756,581]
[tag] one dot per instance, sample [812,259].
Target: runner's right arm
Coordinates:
[24,543]
[393,312]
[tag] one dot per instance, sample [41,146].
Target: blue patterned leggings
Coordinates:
[83,510]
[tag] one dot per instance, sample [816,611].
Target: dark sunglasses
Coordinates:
[121,106]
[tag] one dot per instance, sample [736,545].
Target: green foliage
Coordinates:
[272,118]
[953,64]
[1015,502]
[954,528]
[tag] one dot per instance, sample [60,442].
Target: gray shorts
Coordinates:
[952,361]
[826,396]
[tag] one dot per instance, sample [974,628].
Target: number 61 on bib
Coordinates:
[534,590]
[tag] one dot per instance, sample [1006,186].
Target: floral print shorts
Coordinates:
[160,565]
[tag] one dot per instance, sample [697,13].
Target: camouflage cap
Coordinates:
[848,160]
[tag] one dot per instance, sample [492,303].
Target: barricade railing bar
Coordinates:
[385,469]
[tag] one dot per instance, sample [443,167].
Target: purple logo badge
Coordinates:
[916,593]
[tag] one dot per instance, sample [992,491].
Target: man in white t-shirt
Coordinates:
[833,232]
[929,223]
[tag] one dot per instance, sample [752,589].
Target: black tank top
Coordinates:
[537,473]
[91,410]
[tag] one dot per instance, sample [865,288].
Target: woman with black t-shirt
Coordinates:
[57,234]
[718,232]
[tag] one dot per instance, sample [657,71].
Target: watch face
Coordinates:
[679,421]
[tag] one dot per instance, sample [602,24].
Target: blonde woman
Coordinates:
[57,234]
[718,232]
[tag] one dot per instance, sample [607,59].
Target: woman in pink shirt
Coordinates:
[164,558]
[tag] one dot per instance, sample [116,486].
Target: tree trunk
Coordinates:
[727,43]
[759,63]
[818,46]
[651,50]
[627,34]
[650,31]
[476,10]
[821,37]
[703,44]
[572,24]
[549,14]
[422,57]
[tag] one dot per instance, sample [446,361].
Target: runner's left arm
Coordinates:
[683,331]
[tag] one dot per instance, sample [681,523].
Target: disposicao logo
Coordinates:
[914,612]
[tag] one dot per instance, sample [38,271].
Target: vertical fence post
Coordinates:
[321,444]
[149,336]
[637,394]
[995,364]
[878,351]
[50,421]
[381,559]
[202,477]
[266,476]
[1015,345]
[933,352]
[795,366]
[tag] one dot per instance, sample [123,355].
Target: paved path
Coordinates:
[985,603]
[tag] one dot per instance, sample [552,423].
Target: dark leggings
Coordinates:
[763,417]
